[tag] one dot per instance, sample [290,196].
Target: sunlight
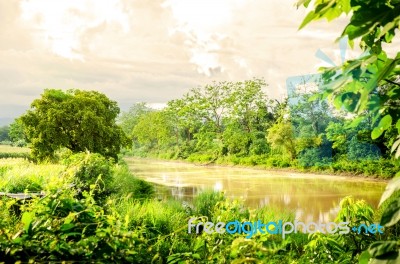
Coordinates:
[203,22]
[60,25]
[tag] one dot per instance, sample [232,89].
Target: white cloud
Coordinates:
[153,51]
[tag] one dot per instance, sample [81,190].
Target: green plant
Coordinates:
[89,169]
[386,251]
[205,202]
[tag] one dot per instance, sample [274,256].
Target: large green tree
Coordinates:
[75,119]
[154,129]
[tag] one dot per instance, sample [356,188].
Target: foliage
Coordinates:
[360,151]
[342,248]
[369,83]
[319,157]
[281,136]
[77,120]
[63,225]
[59,227]
[128,120]
[88,170]
[124,185]
[153,129]
[17,133]
[4,133]
[204,203]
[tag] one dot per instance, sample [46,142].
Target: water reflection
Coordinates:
[309,197]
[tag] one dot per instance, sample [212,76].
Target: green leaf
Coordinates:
[310,17]
[382,73]
[393,186]
[196,256]
[356,121]
[305,3]
[66,227]
[383,125]
[27,219]
[385,122]
[376,132]
[382,247]
[398,126]
[364,257]
[391,215]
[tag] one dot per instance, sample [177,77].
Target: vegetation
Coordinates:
[7,151]
[369,87]
[92,127]
[84,205]
[254,130]
[129,226]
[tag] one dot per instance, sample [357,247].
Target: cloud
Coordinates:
[151,51]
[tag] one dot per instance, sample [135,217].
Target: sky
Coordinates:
[153,51]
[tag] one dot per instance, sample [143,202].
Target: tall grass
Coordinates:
[19,175]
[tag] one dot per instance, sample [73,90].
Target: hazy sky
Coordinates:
[152,50]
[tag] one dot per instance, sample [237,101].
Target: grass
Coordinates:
[7,151]
[20,175]
[153,231]
[12,149]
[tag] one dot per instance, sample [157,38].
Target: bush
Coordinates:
[362,151]
[319,157]
[91,169]
[59,227]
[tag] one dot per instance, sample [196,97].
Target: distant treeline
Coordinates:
[236,123]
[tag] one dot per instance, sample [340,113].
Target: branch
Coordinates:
[392,82]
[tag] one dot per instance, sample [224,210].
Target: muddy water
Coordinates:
[310,197]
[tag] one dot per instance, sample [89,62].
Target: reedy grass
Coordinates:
[19,175]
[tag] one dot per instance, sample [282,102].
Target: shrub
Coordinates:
[91,169]
[59,227]
[319,157]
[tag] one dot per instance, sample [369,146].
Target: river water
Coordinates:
[310,197]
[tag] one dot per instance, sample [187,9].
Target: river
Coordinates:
[310,197]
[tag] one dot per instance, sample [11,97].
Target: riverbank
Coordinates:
[378,169]
[275,170]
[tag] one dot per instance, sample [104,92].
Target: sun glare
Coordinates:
[59,24]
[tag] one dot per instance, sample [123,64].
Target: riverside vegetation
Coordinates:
[108,215]
[92,209]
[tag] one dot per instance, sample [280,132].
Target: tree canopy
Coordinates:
[75,119]
[371,82]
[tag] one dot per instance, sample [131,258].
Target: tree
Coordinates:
[128,120]
[77,120]
[17,133]
[4,133]
[281,136]
[153,129]
[370,83]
